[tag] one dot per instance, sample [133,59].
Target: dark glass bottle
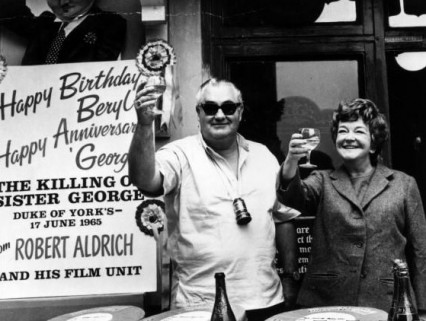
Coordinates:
[405,309]
[395,268]
[222,310]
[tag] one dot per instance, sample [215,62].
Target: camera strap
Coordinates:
[230,182]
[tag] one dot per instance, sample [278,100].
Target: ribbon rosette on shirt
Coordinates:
[150,217]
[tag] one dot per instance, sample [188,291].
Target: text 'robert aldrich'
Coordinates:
[58,247]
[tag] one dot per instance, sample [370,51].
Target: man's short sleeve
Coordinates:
[282,213]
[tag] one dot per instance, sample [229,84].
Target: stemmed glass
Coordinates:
[312,137]
[158,85]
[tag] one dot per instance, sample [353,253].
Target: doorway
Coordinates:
[407,112]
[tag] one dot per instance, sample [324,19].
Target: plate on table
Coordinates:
[332,313]
[108,313]
[194,313]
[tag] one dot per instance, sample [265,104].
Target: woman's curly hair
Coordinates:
[369,113]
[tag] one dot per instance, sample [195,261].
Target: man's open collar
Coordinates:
[241,141]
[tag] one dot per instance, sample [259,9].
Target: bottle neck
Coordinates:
[222,310]
[395,294]
[405,308]
[395,284]
[220,287]
[404,290]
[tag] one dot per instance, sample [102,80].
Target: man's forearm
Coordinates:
[142,170]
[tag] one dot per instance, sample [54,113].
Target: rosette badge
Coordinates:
[152,61]
[150,217]
[153,58]
[3,68]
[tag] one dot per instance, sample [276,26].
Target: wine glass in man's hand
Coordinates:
[152,60]
[157,87]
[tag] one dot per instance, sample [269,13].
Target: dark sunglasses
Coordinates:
[211,108]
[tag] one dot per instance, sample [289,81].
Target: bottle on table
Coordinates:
[404,309]
[395,267]
[222,310]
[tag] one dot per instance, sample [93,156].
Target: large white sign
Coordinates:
[67,208]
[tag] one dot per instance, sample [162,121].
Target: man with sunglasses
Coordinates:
[219,192]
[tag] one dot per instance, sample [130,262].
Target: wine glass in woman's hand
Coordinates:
[312,140]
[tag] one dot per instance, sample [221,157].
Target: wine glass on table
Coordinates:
[312,138]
